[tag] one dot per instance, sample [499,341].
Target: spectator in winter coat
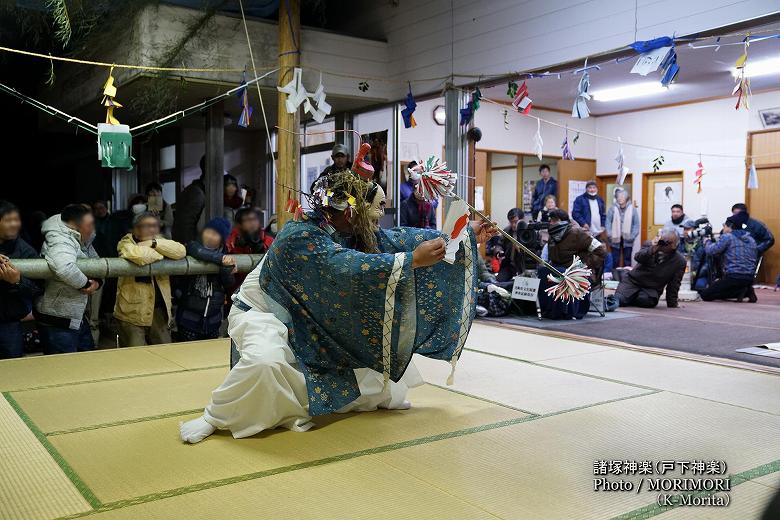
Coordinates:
[417,212]
[589,210]
[16,291]
[757,229]
[247,237]
[622,226]
[202,298]
[143,303]
[157,205]
[738,253]
[60,312]
[545,187]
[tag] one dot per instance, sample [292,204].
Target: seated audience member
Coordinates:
[143,303]
[16,291]
[692,247]
[589,210]
[202,300]
[757,229]
[566,242]
[418,212]
[622,228]
[60,312]
[737,251]
[507,254]
[677,220]
[545,187]
[658,265]
[550,203]
[160,207]
[494,297]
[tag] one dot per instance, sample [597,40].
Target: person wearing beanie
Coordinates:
[738,254]
[757,229]
[143,303]
[589,210]
[201,298]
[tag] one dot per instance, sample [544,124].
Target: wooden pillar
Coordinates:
[288,144]
[215,159]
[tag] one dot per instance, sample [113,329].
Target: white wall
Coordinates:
[707,127]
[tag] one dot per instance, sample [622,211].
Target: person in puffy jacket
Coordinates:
[201,298]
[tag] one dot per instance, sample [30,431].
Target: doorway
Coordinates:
[762,202]
[660,191]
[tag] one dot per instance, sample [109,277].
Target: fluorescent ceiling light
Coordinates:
[759,68]
[629,91]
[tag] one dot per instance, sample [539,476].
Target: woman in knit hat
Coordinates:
[202,297]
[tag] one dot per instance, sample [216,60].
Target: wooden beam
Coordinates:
[215,160]
[287,178]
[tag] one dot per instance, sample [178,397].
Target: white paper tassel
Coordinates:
[752,178]
[538,143]
[621,166]
[573,285]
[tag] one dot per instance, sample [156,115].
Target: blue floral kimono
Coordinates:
[348,310]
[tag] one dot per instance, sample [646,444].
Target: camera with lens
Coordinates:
[531,237]
[703,229]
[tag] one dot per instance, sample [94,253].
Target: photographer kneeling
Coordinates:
[659,265]
[565,243]
[738,253]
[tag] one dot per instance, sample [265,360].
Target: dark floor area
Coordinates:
[715,329]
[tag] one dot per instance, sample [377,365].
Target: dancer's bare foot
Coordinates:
[195,430]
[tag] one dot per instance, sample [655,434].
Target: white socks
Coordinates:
[195,430]
[403,406]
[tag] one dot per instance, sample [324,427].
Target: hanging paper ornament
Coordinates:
[669,68]
[580,109]
[621,166]
[576,138]
[657,53]
[475,99]
[408,113]
[698,175]
[360,166]
[505,113]
[511,89]
[752,183]
[522,103]
[246,109]
[363,86]
[538,143]
[566,152]
[320,108]
[658,162]
[573,285]
[292,204]
[466,113]
[115,146]
[742,85]
[109,93]
[296,94]
[435,179]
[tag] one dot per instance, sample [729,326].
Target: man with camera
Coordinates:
[503,249]
[659,266]
[738,254]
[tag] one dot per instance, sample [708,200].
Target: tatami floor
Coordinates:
[516,436]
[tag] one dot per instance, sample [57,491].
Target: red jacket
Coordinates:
[260,247]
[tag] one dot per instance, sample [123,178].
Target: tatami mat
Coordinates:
[32,484]
[543,469]
[522,385]
[754,390]
[153,459]
[526,345]
[90,404]
[30,372]
[195,354]
[356,489]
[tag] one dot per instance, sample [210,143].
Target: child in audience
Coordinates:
[202,297]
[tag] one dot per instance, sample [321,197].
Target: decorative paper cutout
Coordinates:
[246,109]
[580,109]
[296,94]
[361,167]
[115,145]
[475,99]
[522,103]
[621,166]
[434,178]
[408,113]
[752,183]
[109,92]
[698,175]
[505,113]
[573,285]
[656,53]
[658,162]
[742,86]
[511,89]
[566,152]
[538,143]
[454,228]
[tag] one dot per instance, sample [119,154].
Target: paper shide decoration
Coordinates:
[297,95]
[408,113]
[511,89]
[246,109]
[115,144]
[538,143]
[658,162]
[320,108]
[655,54]
[467,113]
[522,103]
[566,152]
[742,86]
[621,164]
[109,93]
[505,114]
[698,175]
[580,109]
[752,183]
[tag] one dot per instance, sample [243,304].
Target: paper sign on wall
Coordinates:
[525,288]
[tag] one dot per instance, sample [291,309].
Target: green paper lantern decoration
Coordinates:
[115,146]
